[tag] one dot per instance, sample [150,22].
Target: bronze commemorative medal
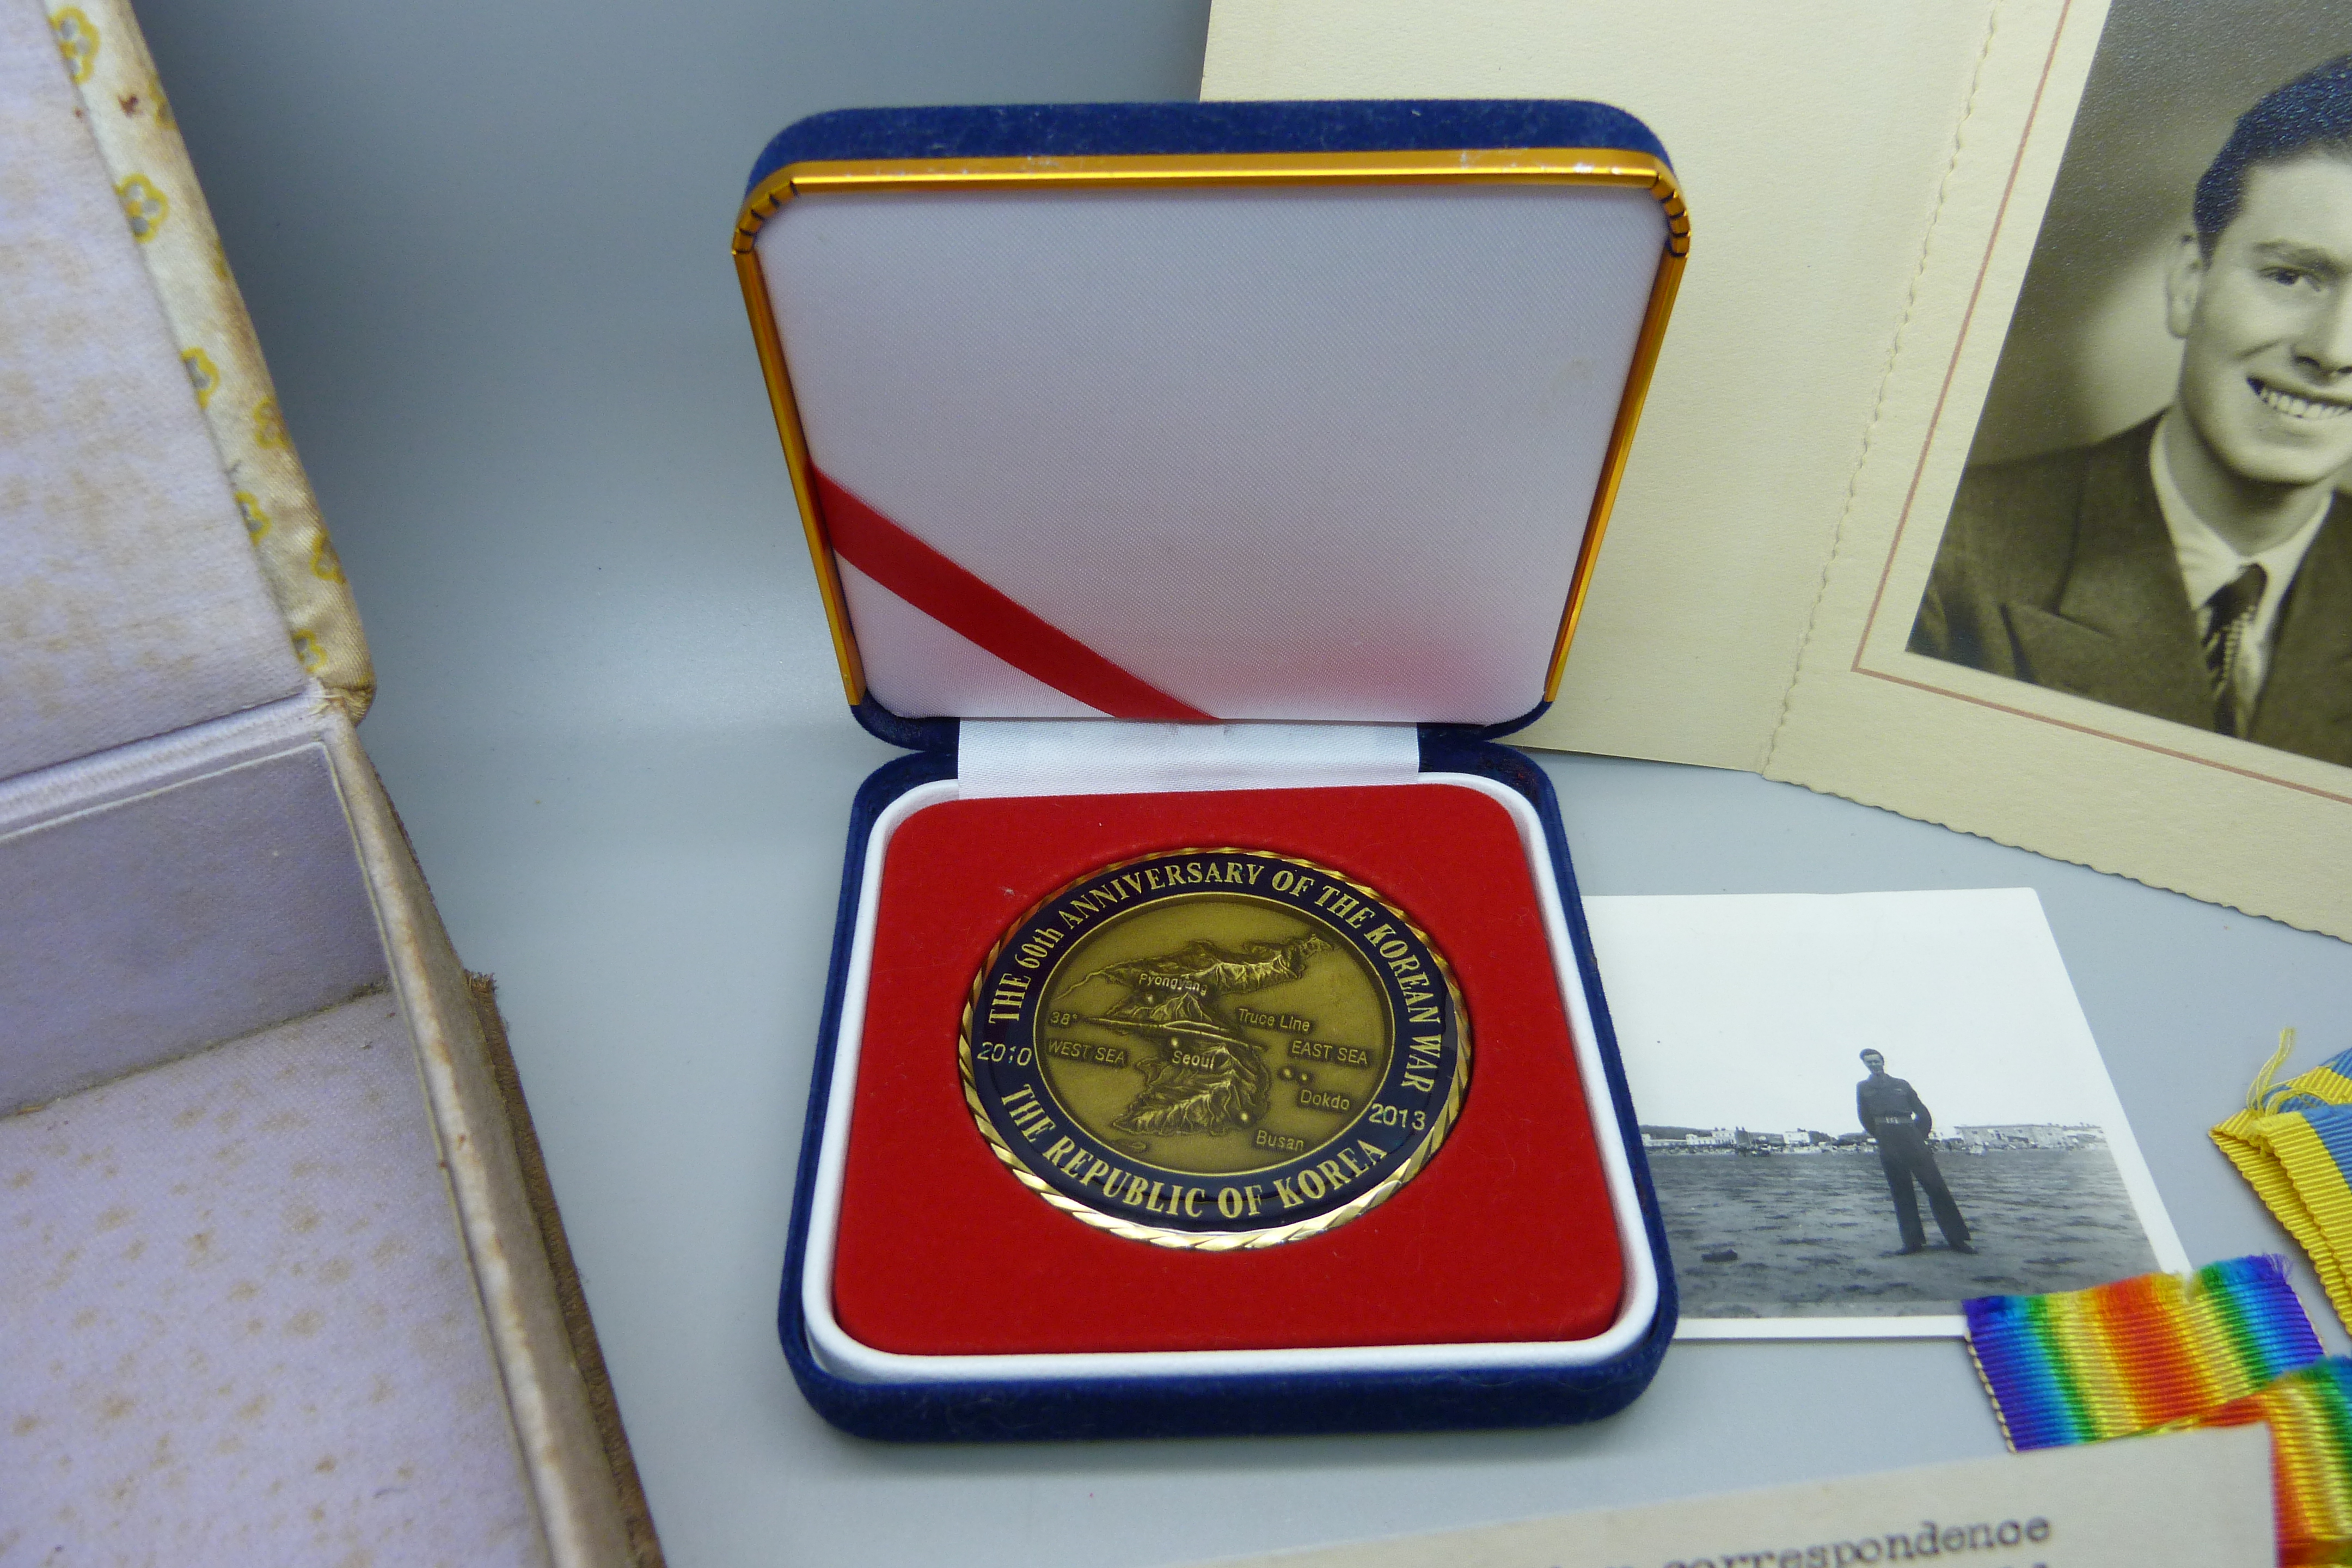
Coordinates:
[1215,1048]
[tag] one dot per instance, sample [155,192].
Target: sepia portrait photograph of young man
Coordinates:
[2195,565]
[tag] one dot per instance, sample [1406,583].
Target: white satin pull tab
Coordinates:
[1111,756]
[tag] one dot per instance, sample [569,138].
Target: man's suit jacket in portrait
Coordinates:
[2059,570]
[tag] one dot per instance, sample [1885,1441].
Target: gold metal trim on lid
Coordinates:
[796,458]
[1473,166]
[1647,347]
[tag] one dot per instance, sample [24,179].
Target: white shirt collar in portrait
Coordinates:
[2208,560]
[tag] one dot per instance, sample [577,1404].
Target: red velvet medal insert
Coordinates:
[1506,1234]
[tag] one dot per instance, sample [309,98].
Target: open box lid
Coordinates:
[1230,411]
[160,558]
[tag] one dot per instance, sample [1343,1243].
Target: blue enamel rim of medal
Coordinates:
[1384,1145]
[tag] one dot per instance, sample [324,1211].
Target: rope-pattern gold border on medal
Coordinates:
[1213,1241]
[1515,166]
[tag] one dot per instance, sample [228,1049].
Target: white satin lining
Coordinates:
[997,757]
[1283,455]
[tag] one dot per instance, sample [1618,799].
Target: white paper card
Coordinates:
[2200,1498]
[1742,1018]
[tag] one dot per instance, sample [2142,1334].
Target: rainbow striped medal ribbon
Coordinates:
[2076,1367]
[2227,1346]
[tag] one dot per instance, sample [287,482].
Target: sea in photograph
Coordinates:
[1814,1236]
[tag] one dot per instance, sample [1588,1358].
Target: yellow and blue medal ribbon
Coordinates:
[2293,1144]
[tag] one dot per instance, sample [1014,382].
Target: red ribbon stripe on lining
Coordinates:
[962,602]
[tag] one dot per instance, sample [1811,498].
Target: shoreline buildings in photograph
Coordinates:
[1807,1140]
[1802,1223]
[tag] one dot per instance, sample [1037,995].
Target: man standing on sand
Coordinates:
[1893,1114]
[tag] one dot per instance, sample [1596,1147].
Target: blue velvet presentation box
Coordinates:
[1232,472]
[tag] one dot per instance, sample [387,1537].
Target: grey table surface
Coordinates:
[485,246]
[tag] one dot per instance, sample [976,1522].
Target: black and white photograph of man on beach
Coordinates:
[2151,517]
[1870,1107]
